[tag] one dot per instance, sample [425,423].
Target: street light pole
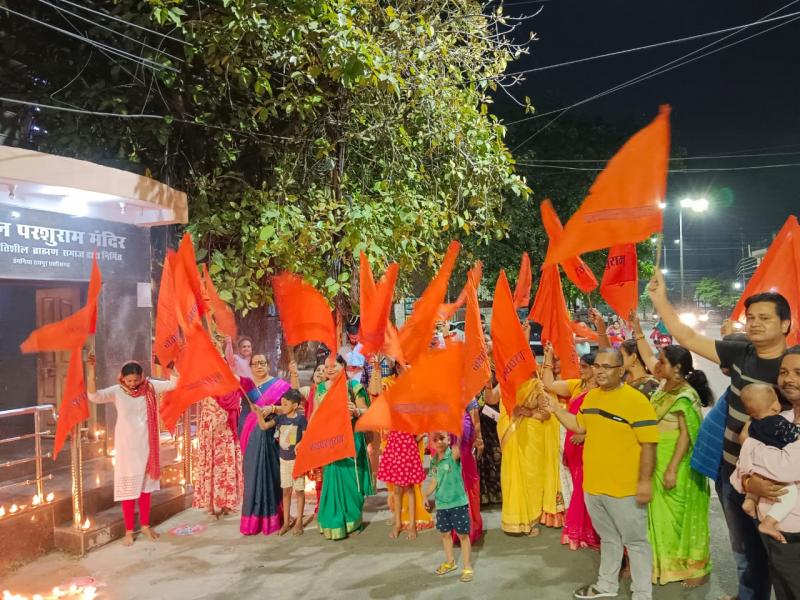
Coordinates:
[680,242]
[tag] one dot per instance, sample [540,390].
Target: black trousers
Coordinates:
[784,566]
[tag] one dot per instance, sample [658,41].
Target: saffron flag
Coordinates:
[72,331]
[522,292]
[550,311]
[779,272]
[620,284]
[391,345]
[582,330]
[188,289]
[223,315]
[577,271]
[376,303]
[446,311]
[74,402]
[417,332]
[168,335]
[623,205]
[329,436]
[513,360]
[476,358]
[425,397]
[202,372]
[304,312]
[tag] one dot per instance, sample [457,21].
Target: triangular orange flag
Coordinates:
[168,335]
[550,311]
[620,284]
[417,332]
[305,314]
[779,271]
[391,345]
[188,289]
[203,372]
[513,360]
[623,205]
[577,271]
[522,292]
[476,359]
[582,330]
[74,403]
[446,311]
[223,315]
[425,397]
[73,331]
[329,436]
[376,303]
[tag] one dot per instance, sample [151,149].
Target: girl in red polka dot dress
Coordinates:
[401,466]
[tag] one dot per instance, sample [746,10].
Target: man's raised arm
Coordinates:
[683,334]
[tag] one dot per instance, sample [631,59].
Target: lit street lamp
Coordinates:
[737,285]
[699,205]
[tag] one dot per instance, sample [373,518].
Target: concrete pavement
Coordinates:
[220,564]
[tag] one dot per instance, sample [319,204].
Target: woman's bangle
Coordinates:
[546,366]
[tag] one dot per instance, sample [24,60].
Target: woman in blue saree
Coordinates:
[261,506]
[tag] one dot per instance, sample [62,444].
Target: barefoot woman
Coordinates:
[137,468]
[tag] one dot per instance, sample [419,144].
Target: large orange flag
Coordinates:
[513,360]
[304,312]
[426,397]
[329,436]
[74,403]
[522,292]
[73,331]
[376,303]
[223,315]
[168,335]
[577,271]
[582,330]
[202,371]
[779,272]
[476,358]
[550,311]
[446,311]
[620,284]
[188,288]
[623,203]
[417,332]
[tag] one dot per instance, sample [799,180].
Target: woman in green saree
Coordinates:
[678,512]
[346,482]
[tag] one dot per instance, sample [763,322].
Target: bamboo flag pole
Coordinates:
[659,245]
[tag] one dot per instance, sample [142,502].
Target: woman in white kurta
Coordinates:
[137,469]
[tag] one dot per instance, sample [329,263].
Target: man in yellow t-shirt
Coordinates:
[618,459]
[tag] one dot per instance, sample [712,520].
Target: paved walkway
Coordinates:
[219,564]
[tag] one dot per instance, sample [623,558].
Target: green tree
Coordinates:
[715,292]
[302,131]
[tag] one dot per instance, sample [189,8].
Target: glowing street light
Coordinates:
[737,285]
[698,205]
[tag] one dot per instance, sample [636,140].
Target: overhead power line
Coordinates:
[109,29]
[649,46]
[115,18]
[708,157]
[169,118]
[653,72]
[122,53]
[698,170]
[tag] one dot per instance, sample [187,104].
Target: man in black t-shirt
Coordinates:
[768,320]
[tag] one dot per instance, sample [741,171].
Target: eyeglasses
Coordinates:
[259,363]
[603,367]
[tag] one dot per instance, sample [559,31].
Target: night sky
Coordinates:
[742,100]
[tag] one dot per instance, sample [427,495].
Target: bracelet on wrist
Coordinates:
[546,366]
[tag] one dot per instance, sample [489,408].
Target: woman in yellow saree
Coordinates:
[529,472]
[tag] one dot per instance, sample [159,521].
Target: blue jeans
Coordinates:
[748,549]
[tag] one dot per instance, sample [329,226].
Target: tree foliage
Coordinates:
[715,293]
[303,131]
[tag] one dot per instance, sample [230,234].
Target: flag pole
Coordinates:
[659,245]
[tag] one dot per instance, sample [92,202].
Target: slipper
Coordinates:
[445,567]
[467,575]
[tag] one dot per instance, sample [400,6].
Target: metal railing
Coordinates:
[37,434]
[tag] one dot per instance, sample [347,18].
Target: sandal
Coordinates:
[445,568]
[467,575]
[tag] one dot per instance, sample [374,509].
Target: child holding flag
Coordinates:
[291,425]
[452,504]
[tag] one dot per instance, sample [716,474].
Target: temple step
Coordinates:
[107,525]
